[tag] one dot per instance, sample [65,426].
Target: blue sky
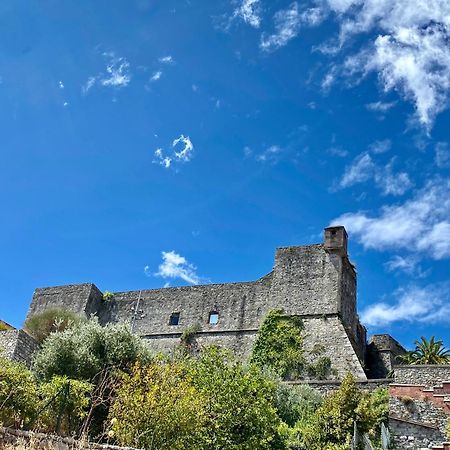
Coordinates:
[149,142]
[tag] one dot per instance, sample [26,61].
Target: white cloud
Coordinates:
[392,183]
[361,169]
[412,304]
[117,74]
[184,154]
[175,266]
[156,76]
[249,11]
[61,84]
[166,59]
[442,155]
[420,224]
[380,106]
[287,26]
[380,146]
[408,265]
[270,154]
[409,49]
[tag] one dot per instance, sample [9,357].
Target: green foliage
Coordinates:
[65,401]
[321,369]
[19,397]
[331,426]
[4,327]
[296,402]
[211,402]
[187,340]
[158,408]
[107,296]
[53,320]
[83,352]
[279,345]
[427,352]
[239,403]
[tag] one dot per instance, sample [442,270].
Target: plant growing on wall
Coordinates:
[107,296]
[279,345]
[52,320]
[427,352]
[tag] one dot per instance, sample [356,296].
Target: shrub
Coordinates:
[83,352]
[279,345]
[42,324]
[157,407]
[64,402]
[239,403]
[19,397]
[107,296]
[296,403]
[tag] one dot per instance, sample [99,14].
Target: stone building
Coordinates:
[316,282]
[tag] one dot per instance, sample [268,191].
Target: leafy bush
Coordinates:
[239,403]
[279,345]
[157,407]
[53,320]
[65,403]
[4,327]
[296,403]
[331,426]
[83,352]
[19,397]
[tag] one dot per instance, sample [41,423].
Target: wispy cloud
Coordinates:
[442,155]
[287,24]
[407,264]
[156,75]
[363,168]
[380,146]
[175,266]
[117,74]
[166,59]
[381,107]
[413,304]
[250,12]
[181,152]
[420,225]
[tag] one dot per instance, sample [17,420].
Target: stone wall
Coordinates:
[18,345]
[382,352]
[422,375]
[316,282]
[41,441]
[80,298]
[328,386]
[410,435]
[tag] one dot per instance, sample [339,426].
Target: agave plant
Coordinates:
[427,352]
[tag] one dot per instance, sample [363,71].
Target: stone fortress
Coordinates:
[316,282]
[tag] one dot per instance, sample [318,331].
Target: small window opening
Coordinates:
[174,318]
[213,318]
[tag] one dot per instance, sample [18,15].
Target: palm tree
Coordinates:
[427,352]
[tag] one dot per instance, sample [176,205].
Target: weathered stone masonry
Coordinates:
[316,282]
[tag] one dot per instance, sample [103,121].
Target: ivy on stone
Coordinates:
[279,345]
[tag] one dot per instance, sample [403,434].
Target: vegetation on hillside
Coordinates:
[102,383]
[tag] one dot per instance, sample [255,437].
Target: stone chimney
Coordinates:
[335,240]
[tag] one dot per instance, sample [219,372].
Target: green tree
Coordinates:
[83,352]
[240,412]
[41,325]
[427,352]
[279,345]
[19,398]
[64,404]
[157,407]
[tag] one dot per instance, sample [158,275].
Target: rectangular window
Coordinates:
[174,318]
[213,318]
